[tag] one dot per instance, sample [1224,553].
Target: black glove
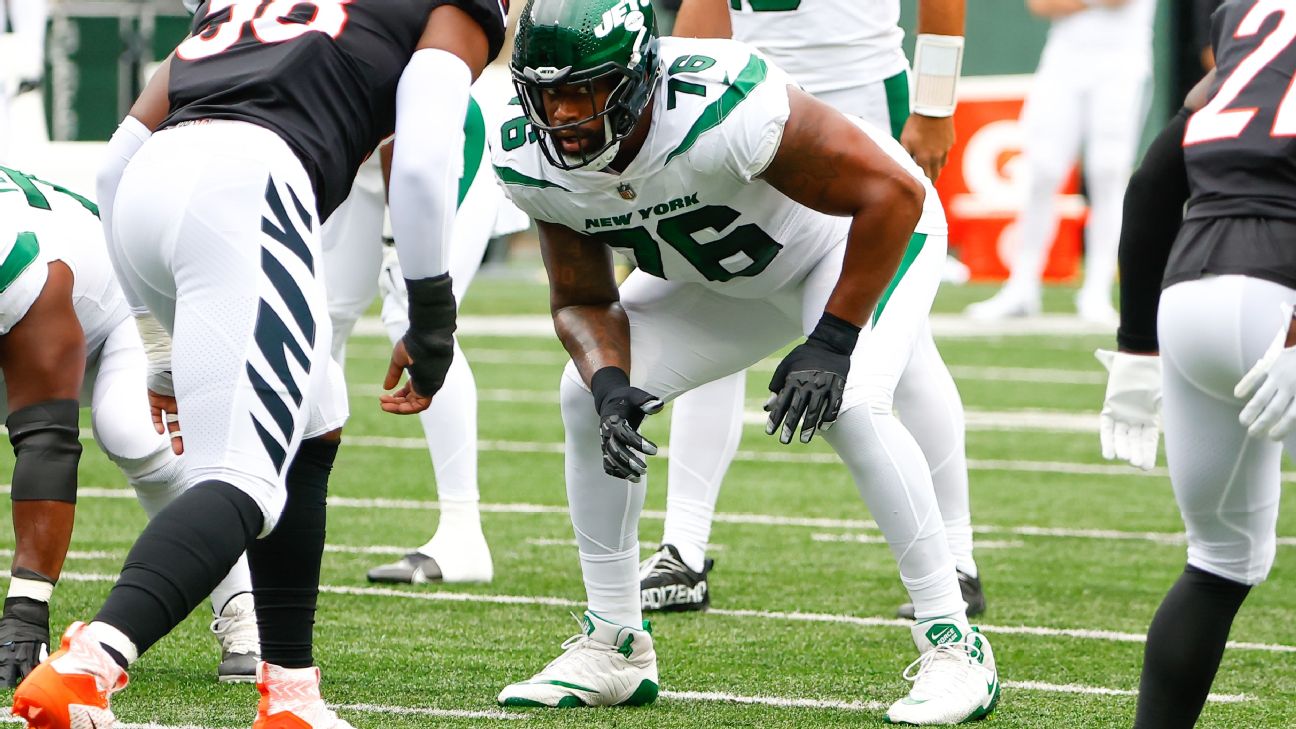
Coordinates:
[430,338]
[621,409]
[24,638]
[808,384]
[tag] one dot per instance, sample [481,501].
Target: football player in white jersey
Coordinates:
[356,269]
[756,215]
[25,57]
[848,54]
[1090,92]
[67,338]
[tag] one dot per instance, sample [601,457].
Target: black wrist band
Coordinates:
[605,381]
[835,333]
[431,301]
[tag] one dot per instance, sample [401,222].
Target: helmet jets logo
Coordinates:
[625,13]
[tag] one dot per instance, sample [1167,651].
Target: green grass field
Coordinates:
[1075,555]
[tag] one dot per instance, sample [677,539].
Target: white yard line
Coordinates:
[497,714]
[800,617]
[7,719]
[343,502]
[777,701]
[948,326]
[649,546]
[879,539]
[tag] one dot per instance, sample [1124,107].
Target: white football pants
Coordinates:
[684,335]
[216,233]
[1212,331]
[115,389]
[1095,100]
[706,425]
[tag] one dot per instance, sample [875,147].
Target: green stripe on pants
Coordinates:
[916,243]
[474,147]
[897,96]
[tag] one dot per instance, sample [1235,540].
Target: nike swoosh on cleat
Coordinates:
[564,684]
[912,702]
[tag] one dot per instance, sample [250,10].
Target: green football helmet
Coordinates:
[572,42]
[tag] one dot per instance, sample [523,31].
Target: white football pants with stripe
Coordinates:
[684,335]
[707,422]
[216,233]
[1228,486]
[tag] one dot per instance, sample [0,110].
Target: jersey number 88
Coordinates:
[268,25]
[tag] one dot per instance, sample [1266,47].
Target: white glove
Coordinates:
[1271,385]
[1130,424]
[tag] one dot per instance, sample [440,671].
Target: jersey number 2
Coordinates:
[268,25]
[1215,120]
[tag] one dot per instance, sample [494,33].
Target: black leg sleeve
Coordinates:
[286,564]
[1184,647]
[1154,202]
[183,553]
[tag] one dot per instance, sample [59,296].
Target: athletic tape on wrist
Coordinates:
[938,61]
[604,382]
[39,590]
[835,333]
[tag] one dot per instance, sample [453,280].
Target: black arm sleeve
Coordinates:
[1154,203]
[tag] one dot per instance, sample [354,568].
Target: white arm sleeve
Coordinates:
[431,104]
[125,142]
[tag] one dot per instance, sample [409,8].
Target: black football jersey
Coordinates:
[1240,149]
[321,74]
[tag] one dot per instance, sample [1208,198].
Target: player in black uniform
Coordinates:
[262,116]
[1224,330]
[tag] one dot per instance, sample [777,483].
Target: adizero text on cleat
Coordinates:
[667,584]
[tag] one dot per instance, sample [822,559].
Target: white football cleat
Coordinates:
[604,665]
[954,679]
[290,699]
[236,630]
[456,554]
[1009,303]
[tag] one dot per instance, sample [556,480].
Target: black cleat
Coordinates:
[972,595]
[667,584]
[24,638]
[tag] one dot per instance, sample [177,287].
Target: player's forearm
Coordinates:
[879,235]
[941,17]
[424,178]
[1154,203]
[595,335]
[703,19]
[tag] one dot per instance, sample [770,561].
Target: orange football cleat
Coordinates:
[70,689]
[290,699]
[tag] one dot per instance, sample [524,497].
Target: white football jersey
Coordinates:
[42,222]
[1125,27]
[826,45]
[689,206]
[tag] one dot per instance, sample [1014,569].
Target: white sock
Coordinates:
[459,520]
[115,639]
[706,425]
[38,590]
[606,577]
[450,427]
[604,511]
[893,477]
